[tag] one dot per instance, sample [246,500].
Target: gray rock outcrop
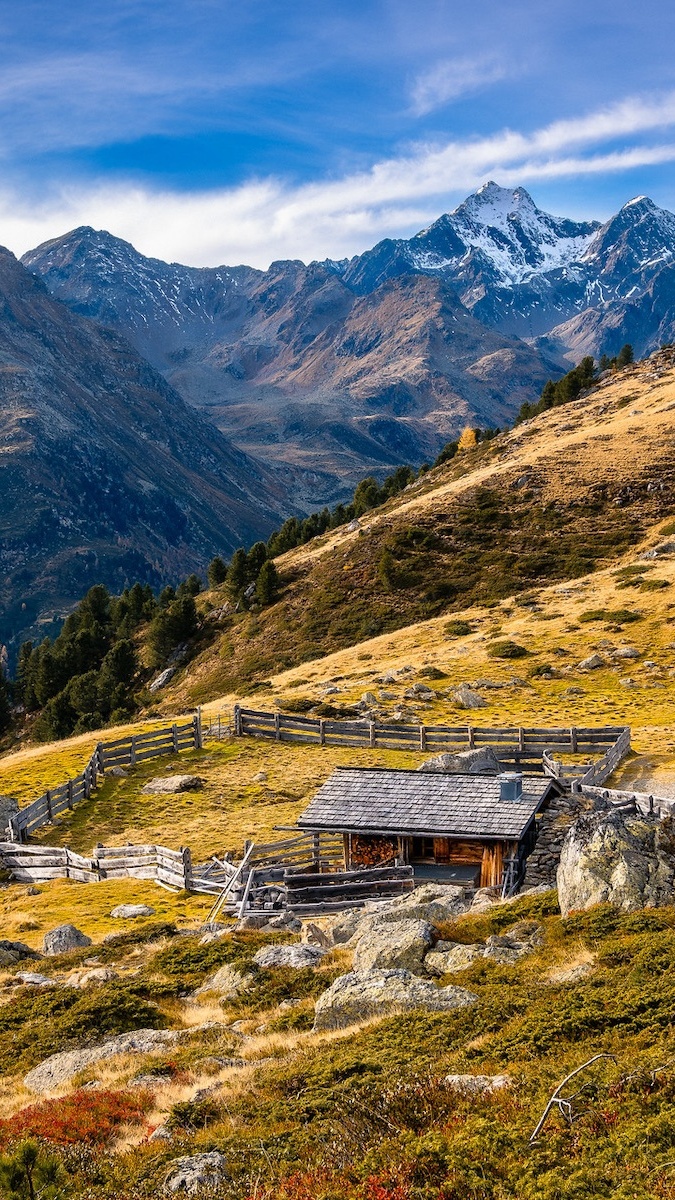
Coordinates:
[14,952]
[296,956]
[466,697]
[521,939]
[614,858]
[448,957]
[93,977]
[64,938]
[128,912]
[365,994]
[227,983]
[394,944]
[171,784]
[59,1068]
[195,1172]
[481,761]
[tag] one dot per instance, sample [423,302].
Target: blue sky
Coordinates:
[210,131]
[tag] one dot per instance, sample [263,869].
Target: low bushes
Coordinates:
[90,1117]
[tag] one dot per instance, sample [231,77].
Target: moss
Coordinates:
[505,648]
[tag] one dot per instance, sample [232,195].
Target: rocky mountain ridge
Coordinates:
[107,475]
[341,368]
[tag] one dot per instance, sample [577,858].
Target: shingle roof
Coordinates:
[416,802]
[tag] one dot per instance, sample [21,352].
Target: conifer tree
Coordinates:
[267,583]
[217,572]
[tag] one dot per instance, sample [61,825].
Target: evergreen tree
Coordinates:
[255,558]
[625,355]
[217,572]
[267,583]
[191,586]
[366,496]
[237,574]
[5,705]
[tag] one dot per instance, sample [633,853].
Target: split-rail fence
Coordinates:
[123,752]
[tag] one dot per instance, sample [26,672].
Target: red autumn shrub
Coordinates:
[89,1117]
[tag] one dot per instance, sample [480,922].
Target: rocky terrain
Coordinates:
[107,475]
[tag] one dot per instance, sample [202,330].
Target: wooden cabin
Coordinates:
[471,830]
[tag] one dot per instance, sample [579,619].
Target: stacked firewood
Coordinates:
[373,851]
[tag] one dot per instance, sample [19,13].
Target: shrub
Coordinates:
[91,1117]
[506,649]
[615,616]
[457,628]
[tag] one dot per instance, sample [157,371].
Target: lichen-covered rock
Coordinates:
[477,1085]
[365,994]
[394,944]
[481,761]
[466,697]
[195,1172]
[33,979]
[171,784]
[94,977]
[447,957]
[59,1068]
[128,912]
[14,952]
[613,858]
[64,938]
[297,956]
[227,983]
[432,902]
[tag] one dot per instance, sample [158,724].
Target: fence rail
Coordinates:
[524,745]
[123,752]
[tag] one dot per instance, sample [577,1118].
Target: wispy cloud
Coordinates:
[270,218]
[452,78]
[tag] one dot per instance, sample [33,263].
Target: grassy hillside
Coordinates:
[365,1113]
[560,497]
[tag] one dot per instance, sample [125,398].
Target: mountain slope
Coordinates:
[107,475]
[563,495]
[280,359]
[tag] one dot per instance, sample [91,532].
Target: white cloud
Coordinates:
[267,219]
[452,78]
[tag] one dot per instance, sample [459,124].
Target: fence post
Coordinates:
[521,739]
[573,739]
[174,736]
[316,849]
[199,740]
[322,731]
[187,867]
[423,737]
[472,737]
[48,798]
[277,726]
[99,768]
[372,734]
[237,720]
[69,793]
[132,751]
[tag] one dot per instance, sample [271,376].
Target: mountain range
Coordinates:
[335,369]
[153,414]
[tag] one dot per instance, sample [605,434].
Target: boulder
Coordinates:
[59,1068]
[394,944]
[171,784]
[592,662]
[117,772]
[447,957]
[95,977]
[14,952]
[314,935]
[33,979]
[362,995]
[227,983]
[127,912]
[162,679]
[195,1172]
[346,926]
[369,698]
[485,898]
[620,859]
[432,902]
[64,938]
[466,697]
[627,652]
[482,761]
[477,1085]
[298,955]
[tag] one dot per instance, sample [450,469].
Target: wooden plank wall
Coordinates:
[124,752]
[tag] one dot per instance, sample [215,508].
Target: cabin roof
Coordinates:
[365,800]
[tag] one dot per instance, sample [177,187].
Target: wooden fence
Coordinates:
[523,745]
[646,802]
[124,752]
[38,864]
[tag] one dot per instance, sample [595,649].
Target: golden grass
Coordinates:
[88,905]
